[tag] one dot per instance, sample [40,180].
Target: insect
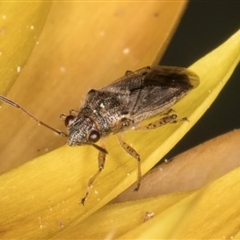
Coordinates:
[123,105]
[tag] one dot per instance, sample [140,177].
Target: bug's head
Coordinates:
[81,130]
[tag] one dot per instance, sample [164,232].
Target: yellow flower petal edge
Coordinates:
[21,24]
[83,45]
[183,173]
[209,213]
[195,216]
[204,208]
[43,194]
[114,220]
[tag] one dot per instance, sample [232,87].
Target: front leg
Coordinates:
[101,163]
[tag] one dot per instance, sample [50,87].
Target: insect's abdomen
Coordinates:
[160,88]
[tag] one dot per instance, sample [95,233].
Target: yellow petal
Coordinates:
[215,158]
[211,212]
[114,220]
[21,25]
[82,46]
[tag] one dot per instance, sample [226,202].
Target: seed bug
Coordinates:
[123,105]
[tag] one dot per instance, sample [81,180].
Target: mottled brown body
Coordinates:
[122,105]
[129,100]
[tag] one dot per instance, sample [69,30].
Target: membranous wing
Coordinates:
[152,90]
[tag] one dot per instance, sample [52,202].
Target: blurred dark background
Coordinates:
[204,26]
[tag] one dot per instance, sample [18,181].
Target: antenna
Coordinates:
[8,101]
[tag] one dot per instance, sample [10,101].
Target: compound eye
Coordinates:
[93,136]
[69,120]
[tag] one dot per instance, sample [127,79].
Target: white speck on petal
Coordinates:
[62,69]
[126,50]
[102,33]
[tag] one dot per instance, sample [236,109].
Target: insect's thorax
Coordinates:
[106,110]
[102,111]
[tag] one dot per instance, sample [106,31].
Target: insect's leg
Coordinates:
[172,118]
[101,162]
[128,72]
[134,154]
[73,112]
[168,112]
[63,117]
